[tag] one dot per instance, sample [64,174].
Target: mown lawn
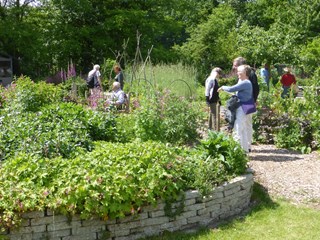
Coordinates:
[268,220]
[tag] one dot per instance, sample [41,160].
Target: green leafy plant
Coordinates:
[215,160]
[56,130]
[166,117]
[114,179]
[25,95]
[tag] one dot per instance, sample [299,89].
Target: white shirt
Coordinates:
[117,97]
[94,71]
[210,84]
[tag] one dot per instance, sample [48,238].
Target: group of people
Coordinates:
[117,97]
[246,92]
[287,79]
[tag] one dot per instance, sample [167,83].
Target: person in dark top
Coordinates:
[252,77]
[119,76]
[212,98]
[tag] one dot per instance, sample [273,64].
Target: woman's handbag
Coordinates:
[249,106]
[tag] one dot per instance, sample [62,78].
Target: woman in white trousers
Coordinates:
[242,131]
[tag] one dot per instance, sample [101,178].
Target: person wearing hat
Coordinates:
[287,79]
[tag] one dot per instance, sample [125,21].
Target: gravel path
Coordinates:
[287,174]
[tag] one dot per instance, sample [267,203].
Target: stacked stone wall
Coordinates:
[223,202]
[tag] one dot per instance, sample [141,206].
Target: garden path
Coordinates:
[287,174]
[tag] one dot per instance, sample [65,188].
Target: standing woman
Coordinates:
[243,123]
[212,98]
[119,76]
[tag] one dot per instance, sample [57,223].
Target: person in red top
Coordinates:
[287,80]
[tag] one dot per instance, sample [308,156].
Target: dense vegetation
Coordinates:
[44,36]
[58,152]
[62,150]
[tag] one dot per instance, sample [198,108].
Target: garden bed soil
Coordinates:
[287,174]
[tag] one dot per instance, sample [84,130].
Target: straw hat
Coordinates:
[287,69]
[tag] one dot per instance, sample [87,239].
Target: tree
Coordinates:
[212,43]
[19,34]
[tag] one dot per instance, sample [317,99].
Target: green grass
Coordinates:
[268,220]
[178,78]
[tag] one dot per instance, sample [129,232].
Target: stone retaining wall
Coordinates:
[224,201]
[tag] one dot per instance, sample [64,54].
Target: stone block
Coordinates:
[175,224]
[158,206]
[214,201]
[137,217]
[232,184]
[84,230]
[120,232]
[25,222]
[34,214]
[31,229]
[104,235]
[231,191]
[215,207]
[198,219]
[21,236]
[195,207]
[192,194]
[91,236]
[93,222]
[59,233]
[246,185]
[57,226]
[156,214]
[188,202]
[186,215]
[48,220]
[154,221]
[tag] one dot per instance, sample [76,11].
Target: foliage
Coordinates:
[25,95]
[289,123]
[115,179]
[56,130]
[45,38]
[75,89]
[310,55]
[125,128]
[294,134]
[165,117]
[209,44]
[216,159]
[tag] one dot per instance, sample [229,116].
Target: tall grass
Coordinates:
[178,78]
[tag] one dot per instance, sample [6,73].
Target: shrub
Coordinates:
[115,179]
[75,89]
[26,95]
[56,130]
[167,118]
[215,160]
[112,181]
[294,134]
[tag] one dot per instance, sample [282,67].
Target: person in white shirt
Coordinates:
[243,123]
[96,76]
[212,98]
[117,97]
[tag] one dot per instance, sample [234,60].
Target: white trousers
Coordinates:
[242,131]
